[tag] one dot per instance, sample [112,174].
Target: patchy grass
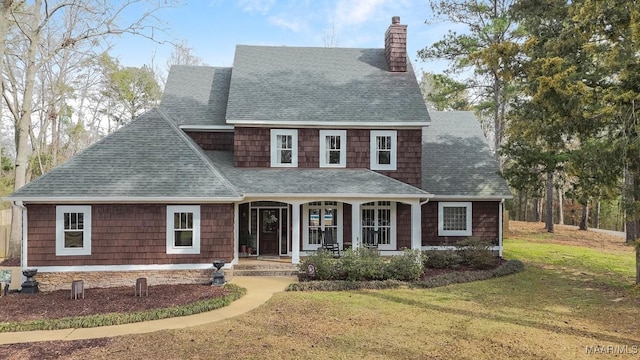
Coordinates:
[556,308]
[559,307]
[607,266]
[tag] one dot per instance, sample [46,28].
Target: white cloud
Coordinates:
[257,6]
[294,24]
[355,12]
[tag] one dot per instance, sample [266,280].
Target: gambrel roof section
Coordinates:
[302,86]
[197,95]
[457,161]
[147,160]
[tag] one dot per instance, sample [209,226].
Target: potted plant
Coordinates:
[244,240]
[250,243]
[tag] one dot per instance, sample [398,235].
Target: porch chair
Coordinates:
[329,243]
[371,239]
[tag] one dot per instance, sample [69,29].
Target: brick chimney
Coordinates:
[395,46]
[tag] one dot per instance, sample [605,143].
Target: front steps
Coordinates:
[265,268]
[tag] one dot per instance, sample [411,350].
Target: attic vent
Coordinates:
[395,46]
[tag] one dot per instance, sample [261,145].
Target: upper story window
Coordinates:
[454,219]
[183,229]
[284,148]
[73,230]
[333,148]
[383,149]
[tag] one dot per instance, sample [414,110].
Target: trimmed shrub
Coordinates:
[343,285]
[508,268]
[407,266]
[442,259]
[476,253]
[361,264]
[324,263]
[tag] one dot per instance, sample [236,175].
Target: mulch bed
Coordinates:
[17,306]
[431,272]
[58,304]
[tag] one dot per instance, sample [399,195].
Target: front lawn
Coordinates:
[568,302]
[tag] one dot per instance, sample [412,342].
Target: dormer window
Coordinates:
[333,146]
[383,150]
[284,148]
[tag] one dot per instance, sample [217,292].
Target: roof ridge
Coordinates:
[199,152]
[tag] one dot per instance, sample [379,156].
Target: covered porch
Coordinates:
[292,228]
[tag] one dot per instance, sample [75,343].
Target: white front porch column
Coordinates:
[416,225]
[355,225]
[295,232]
[236,232]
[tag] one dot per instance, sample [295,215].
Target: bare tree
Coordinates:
[96,20]
[330,36]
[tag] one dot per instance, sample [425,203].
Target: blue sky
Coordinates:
[214,27]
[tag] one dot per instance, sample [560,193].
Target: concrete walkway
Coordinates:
[259,290]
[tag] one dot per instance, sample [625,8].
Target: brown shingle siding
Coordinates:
[403,226]
[213,140]
[135,234]
[484,224]
[252,147]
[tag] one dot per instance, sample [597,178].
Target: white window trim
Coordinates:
[393,220]
[86,232]
[171,248]
[274,147]
[373,134]
[343,148]
[305,225]
[441,231]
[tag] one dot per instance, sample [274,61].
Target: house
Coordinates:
[290,145]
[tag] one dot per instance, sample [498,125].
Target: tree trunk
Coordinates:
[536,209]
[637,263]
[560,207]
[22,131]
[549,209]
[584,219]
[631,223]
[596,216]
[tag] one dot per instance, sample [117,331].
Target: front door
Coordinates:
[269,224]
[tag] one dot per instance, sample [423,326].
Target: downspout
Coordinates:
[501,211]
[23,247]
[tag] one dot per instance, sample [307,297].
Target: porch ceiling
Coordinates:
[343,182]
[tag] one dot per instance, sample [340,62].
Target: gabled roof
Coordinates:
[282,182]
[149,160]
[321,86]
[197,95]
[456,160]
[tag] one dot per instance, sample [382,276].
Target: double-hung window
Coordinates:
[383,149]
[284,148]
[183,229]
[333,148]
[454,218]
[73,230]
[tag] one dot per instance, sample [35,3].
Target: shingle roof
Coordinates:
[292,182]
[320,86]
[456,160]
[196,95]
[147,159]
